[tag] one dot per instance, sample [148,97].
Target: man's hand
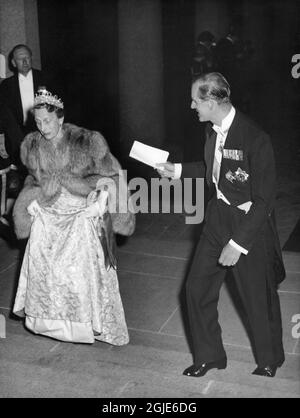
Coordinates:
[166,169]
[229,256]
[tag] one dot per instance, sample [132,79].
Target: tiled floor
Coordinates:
[151,283]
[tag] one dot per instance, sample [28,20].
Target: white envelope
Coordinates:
[147,154]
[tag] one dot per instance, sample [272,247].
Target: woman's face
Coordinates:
[47,123]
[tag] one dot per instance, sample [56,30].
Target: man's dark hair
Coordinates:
[19,46]
[206,36]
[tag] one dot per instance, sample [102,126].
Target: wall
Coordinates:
[211,15]
[19,25]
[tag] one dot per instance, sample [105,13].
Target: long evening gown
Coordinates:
[64,288]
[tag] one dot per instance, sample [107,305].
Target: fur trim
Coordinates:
[123,223]
[21,218]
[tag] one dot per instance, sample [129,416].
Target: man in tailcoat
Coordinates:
[17,92]
[16,100]
[239,232]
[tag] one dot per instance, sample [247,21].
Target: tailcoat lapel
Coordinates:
[17,98]
[209,151]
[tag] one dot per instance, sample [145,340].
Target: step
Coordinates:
[164,248]
[115,381]
[72,370]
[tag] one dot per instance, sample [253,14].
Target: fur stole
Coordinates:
[77,163]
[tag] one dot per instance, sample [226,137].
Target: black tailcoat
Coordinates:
[11,104]
[11,97]
[247,174]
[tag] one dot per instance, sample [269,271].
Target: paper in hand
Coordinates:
[147,154]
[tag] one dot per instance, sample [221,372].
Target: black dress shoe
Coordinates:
[198,371]
[268,371]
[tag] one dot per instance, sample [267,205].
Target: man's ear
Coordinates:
[61,120]
[211,104]
[13,63]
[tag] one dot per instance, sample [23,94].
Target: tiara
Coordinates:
[44,96]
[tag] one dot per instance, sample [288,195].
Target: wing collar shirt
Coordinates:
[27,93]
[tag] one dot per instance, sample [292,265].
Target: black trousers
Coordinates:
[255,284]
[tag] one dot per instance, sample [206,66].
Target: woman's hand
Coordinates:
[33,208]
[102,200]
[98,208]
[92,211]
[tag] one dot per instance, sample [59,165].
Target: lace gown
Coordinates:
[64,287]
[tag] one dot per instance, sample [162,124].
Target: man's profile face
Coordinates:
[201,106]
[22,61]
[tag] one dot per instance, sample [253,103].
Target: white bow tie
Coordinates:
[219,130]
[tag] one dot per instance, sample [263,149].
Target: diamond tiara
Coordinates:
[44,96]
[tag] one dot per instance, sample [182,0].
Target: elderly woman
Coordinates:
[73,201]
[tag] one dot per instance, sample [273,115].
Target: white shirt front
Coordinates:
[222,132]
[27,93]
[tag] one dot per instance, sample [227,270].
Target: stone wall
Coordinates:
[19,25]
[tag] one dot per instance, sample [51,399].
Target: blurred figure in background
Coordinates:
[203,59]
[232,55]
[16,101]
[17,92]
[10,185]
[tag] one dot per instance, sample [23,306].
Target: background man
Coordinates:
[16,100]
[10,133]
[238,234]
[17,91]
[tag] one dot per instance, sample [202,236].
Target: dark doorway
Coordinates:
[182,136]
[79,45]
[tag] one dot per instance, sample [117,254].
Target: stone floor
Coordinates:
[152,265]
